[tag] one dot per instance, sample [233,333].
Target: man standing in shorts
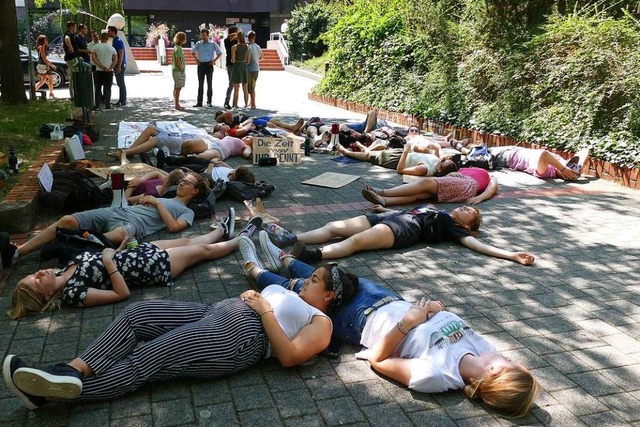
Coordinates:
[253,67]
[232,38]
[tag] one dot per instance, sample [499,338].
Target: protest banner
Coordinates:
[285,150]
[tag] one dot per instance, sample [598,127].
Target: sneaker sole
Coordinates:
[232,222]
[274,263]
[8,381]
[40,383]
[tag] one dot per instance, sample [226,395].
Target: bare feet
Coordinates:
[373,197]
[340,149]
[179,108]
[298,127]
[115,154]
[371,188]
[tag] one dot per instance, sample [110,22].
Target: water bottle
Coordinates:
[307,147]
[13,161]
[276,229]
[92,238]
[131,234]
[335,136]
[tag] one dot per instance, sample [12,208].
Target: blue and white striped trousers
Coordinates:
[181,339]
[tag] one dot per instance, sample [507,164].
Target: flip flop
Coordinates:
[372,197]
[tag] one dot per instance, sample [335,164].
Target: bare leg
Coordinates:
[282,125]
[47,235]
[211,237]
[245,93]
[344,228]
[50,79]
[548,159]
[362,156]
[377,237]
[144,137]
[43,79]
[236,88]
[426,185]
[186,256]
[372,121]
[193,146]
[143,147]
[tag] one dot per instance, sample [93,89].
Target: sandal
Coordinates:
[372,197]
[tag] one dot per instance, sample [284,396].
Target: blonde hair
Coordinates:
[25,302]
[511,391]
[179,38]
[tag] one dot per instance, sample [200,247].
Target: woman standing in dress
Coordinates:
[45,68]
[240,57]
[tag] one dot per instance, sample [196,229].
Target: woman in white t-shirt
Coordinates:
[163,340]
[421,346]
[418,160]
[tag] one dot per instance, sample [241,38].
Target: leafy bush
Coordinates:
[306,26]
[514,68]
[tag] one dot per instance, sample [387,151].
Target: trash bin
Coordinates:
[84,95]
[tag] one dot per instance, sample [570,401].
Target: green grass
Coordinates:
[19,127]
[315,65]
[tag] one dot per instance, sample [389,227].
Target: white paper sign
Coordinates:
[45,177]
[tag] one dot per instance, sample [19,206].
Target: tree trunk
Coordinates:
[11,78]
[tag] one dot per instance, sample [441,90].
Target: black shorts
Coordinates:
[405,227]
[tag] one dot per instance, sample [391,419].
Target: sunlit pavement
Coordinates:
[572,318]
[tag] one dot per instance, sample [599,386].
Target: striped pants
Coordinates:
[181,339]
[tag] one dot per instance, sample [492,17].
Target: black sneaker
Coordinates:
[198,105]
[60,381]
[251,227]
[209,104]
[283,239]
[144,158]
[304,254]
[229,224]
[11,364]
[7,249]
[227,106]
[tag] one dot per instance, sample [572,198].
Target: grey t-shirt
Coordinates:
[147,218]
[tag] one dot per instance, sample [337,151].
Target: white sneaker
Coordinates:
[271,251]
[249,254]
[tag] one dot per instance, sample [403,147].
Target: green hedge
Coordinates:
[565,81]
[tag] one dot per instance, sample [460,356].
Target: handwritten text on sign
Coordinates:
[283,149]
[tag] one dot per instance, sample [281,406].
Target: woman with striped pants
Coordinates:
[186,339]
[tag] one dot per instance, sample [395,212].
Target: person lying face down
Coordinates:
[421,346]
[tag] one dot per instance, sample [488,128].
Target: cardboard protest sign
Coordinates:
[285,150]
[331,180]
[131,170]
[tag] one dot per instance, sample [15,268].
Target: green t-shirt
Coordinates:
[177,53]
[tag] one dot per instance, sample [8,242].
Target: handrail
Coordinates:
[282,47]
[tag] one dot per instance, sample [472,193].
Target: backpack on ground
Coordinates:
[241,191]
[74,192]
[203,206]
[478,157]
[72,242]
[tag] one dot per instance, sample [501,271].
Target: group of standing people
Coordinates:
[241,63]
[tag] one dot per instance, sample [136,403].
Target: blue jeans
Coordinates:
[348,318]
[120,82]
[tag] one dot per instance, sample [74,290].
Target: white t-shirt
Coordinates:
[291,311]
[105,53]
[429,160]
[436,346]
[221,172]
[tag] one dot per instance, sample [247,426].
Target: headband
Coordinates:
[336,281]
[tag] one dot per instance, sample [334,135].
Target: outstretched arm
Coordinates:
[488,193]
[418,170]
[474,244]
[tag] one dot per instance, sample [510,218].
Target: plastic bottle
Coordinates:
[335,136]
[276,229]
[13,160]
[131,233]
[92,238]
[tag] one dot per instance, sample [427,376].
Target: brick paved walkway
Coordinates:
[572,318]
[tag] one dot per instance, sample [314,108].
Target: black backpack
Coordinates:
[478,157]
[204,206]
[71,242]
[74,192]
[241,191]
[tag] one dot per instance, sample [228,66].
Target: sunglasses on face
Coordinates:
[414,130]
[185,181]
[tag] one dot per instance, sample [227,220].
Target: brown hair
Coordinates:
[241,39]
[251,35]
[175,176]
[476,223]
[447,166]
[511,391]
[41,41]
[179,38]
[244,174]
[349,284]
[200,185]
[25,302]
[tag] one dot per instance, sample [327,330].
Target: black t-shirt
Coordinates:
[81,43]
[437,225]
[227,46]
[70,54]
